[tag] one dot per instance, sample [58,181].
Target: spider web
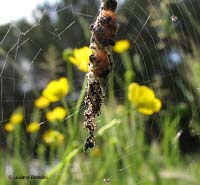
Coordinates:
[143,42]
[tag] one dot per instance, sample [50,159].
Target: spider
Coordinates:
[174,18]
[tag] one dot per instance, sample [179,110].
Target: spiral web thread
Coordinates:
[140,44]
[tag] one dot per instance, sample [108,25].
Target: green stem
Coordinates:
[79,102]
[17,141]
[129,75]
[111,93]
[70,76]
[57,168]
[64,164]
[74,122]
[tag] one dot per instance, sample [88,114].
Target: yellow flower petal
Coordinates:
[121,46]
[57,114]
[133,93]
[157,105]
[146,97]
[80,58]
[42,102]
[8,127]
[56,89]
[16,118]
[63,86]
[73,60]
[143,98]
[33,127]
[53,137]
[145,111]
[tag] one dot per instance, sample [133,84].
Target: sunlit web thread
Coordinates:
[184,29]
[16,48]
[149,35]
[67,117]
[135,44]
[124,169]
[150,49]
[24,33]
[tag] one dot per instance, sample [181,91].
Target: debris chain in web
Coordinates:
[103,32]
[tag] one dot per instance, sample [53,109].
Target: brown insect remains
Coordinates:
[103,32]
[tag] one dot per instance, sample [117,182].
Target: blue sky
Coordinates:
[11,10]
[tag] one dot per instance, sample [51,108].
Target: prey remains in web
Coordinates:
[103,35]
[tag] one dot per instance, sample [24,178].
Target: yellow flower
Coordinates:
[42,102]
[80,58]
[33,127]
[53,137]
[16,118]
[57,114]
[144,99]
[56,90]
[121,46]
[9,127]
